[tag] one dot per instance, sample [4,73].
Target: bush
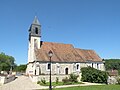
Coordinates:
[38,82]
[43,81]
[57,80]
[73,78]
[118,80]
[66,81]
[90,74]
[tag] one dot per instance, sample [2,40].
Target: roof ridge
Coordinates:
[57,43]
[85,49]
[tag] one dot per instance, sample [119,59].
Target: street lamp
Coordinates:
[50,54]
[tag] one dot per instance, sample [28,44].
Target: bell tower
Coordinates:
[34,39]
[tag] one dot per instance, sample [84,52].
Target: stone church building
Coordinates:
[66,58]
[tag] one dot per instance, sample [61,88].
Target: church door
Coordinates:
[66,71]
[37,70]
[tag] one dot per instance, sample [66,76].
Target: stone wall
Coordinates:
[41,68]
[53,77]
[6,79]
[46,77]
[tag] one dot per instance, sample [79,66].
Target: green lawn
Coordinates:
[101,87]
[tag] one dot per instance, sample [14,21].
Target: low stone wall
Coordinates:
[46,77]
[53,77]
[5,79]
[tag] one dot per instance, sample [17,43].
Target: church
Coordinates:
[66,58]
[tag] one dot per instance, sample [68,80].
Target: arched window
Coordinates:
[92,65]
[36,30]
[48,67]
[66,71]
[77,66]
[97,66]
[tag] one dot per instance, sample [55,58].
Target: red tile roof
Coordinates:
[89,55]
[113,73]
[65,53]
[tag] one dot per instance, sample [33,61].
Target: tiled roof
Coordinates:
[113,73]
[65,53]
[89,55]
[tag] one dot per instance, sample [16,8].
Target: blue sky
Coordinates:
[87,24]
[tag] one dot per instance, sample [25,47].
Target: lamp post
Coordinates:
[50,53]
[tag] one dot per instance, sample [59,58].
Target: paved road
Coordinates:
[21,83]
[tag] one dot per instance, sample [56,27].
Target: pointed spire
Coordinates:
[36,21]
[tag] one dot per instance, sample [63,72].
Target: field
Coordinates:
[101,87]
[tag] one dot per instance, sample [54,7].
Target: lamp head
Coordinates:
[50,53]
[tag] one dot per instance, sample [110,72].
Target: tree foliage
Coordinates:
[21,68]
[6,62]
[112,64]
[90,74]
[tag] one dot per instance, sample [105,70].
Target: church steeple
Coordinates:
[35,28]
[36,21]
[34,39]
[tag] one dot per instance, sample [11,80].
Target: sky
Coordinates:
[87,24]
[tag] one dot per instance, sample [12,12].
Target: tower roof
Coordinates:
[36,21]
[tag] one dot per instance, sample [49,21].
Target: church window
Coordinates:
[48,67]
[77,66]
[66,71]
[36,30]
[92,65]
[97,66]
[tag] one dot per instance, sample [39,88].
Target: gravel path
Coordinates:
[21,83]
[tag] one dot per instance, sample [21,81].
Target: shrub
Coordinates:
[118,80]
[66,81]
[73,78]
[43,81]
[38,82]
[90,74]
[57,80]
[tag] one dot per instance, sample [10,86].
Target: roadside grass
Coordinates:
[59,83]
[96,87]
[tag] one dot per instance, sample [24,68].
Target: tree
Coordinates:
[6,62]
[21,68]
[112,64]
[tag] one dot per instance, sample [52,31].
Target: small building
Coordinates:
[113,72]
[66,58]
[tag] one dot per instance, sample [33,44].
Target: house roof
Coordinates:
[113,72]
[65,53]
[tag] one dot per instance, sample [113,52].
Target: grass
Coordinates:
[99,87]
[59,83]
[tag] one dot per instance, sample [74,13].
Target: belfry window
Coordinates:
[36,30]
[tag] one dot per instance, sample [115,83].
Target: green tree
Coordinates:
[112,64]
[6,62]
[21,68]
